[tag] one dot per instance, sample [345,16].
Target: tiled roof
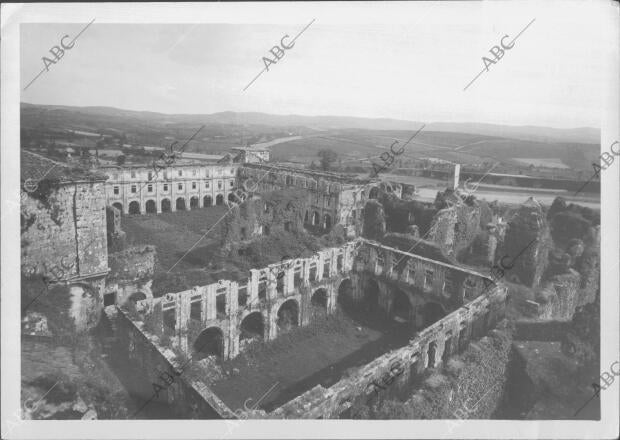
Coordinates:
[37,167]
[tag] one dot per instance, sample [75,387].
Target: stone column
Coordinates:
[203,305]
[182,318]
[252,290]
[319,266]
[272,323]
[289,279]
[211,307]
[332,295]
[272,293]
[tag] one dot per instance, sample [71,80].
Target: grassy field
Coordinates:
[321,353]
[174,233]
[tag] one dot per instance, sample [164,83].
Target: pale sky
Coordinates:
[413,67]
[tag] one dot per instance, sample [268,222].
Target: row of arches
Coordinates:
[210,342]
[166,206]
[316,220]
[401,308]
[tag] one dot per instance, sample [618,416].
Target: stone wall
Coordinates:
[223,306]
[429,349]
[527,243]
[66,230]
[186,395]
[134,263]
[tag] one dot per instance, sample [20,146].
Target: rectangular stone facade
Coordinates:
[64,235]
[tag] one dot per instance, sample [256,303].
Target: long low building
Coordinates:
[177,187]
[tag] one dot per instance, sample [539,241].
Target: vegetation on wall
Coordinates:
[469,386]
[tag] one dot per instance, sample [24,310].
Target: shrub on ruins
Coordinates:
[374,220]
[568,225]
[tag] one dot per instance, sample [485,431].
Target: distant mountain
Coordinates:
[535,133]
[586,135]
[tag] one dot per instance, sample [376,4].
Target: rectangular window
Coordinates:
[165,174]
[116,190]
[180,186]
[428,278]
[150,175]
[133,188]
[150,188]
[180,173]
[219,184]
[115,176]
[165,187]
[231,183]
[133,174]
[193,172]
[193,185]
[207,185]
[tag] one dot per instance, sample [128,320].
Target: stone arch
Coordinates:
[193,202]
[151,207]
[118,206]
[371,293]
[165,205]
[219,199]
[180,204]
[316,218]
[432,312]
[134,207]
[327,221]
[318,301]
[345,292]
[288,315]
[401,306]
[252,328]
[207,201]
[210,342]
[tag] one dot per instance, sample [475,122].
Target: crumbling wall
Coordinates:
[354,391]
[470,385]
[186,396]
[268,214]
[64,227]
[135,263]
[527,243]
[374,220]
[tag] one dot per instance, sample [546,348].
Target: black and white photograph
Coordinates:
[239,220]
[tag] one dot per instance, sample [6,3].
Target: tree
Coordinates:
[120,160]
[328,157]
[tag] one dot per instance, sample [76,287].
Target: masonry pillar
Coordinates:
[272,323]
[319,266]
[182,317]
[211,308]
[253,286]
[289,279]
[203,305]
[305,274]
[233,327]
[272,293]
[332,295]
